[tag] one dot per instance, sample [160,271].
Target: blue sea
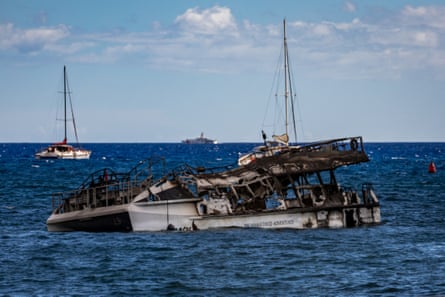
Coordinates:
[404,256]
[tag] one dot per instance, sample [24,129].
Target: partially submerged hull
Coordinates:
[163,215]
[184,216]
[104,219]
[338,217]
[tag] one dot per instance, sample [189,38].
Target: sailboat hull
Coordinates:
[63,152]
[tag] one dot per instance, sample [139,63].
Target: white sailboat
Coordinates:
[280,143]
[63,150]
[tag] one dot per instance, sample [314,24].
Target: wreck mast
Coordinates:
[64,103]
[286,88]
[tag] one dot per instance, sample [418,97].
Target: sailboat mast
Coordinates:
[64,98]
[286,87]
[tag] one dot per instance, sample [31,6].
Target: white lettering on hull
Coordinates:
[270,224]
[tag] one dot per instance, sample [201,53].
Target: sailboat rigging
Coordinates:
[280,143]
[63,150]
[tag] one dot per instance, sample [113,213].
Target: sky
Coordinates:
[164,71]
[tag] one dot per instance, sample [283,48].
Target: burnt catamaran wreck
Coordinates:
[296,189]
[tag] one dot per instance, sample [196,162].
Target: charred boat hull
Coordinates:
[105,219]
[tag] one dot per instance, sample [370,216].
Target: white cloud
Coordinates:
[208,21]
[322,29]
[425,38]
[349,6]
[355,24]
[415,11]
[430,16]
[126,48]
[211,40]
[405,37]
[30,40]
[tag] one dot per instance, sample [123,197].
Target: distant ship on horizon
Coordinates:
[200,140]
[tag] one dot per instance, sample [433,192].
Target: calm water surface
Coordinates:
[405,256]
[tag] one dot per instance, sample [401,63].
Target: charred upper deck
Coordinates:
[293,162]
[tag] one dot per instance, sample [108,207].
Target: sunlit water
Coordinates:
[405,256]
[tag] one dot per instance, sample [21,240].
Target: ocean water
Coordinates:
[404,256]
